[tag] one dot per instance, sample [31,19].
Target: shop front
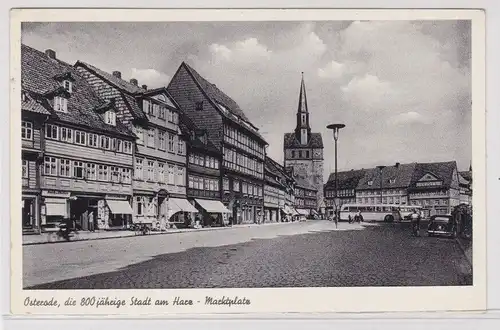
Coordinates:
[30,213]
[213,213]
[302,214]
[120,212]
[180,212]
[54,209]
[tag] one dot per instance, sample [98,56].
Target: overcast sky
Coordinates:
[403,89]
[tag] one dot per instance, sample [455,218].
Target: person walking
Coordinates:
[415,223]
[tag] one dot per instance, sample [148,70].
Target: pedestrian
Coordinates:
[415,222]
[231,220]
[359,216]
[91,222]
[336,218]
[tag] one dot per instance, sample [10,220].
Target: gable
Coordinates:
[429,179]
[164,99]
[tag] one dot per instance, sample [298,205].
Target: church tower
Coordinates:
[303,149]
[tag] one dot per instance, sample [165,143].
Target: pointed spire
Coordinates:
[302,96]
[470,166]
[303,129]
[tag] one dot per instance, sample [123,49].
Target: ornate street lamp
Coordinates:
[336,128]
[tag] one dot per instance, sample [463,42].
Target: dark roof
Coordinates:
[467,175]
[346,179]
[219,97]
[442,170]
[291,141]
[394,176]
[39,75]
[117,82]
[33,105]
[187,127]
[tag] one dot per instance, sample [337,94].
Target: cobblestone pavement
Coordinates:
[302,254]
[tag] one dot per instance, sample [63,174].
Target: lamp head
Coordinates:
[335,128]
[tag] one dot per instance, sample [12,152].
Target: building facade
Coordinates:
[204,175]
[159,178]
[85,154]
[274,192]
[385,185]
[346,189]
[304,150]
[435,187]
[240,143]
[305,194]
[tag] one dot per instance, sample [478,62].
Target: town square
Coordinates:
[299,154]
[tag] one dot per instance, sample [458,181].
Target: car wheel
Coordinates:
[389,218]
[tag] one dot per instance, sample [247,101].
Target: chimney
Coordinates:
[117,74]
[145,86]
[50,53]
[397,164]
[134,81]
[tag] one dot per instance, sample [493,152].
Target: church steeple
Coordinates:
[303,129]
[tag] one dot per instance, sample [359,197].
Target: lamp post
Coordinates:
[381,167]
[336,128]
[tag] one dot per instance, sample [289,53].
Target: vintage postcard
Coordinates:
[187,162]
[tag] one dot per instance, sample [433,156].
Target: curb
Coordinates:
[155,233]
[462,248]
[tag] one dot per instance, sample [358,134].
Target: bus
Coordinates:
[377,212]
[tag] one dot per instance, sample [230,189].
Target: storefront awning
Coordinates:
[294,211]
[56,209]
[179,205]
[119,207]
[314,212]
[212,206]
[303,212]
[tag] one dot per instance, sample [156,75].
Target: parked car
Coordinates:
[442,225]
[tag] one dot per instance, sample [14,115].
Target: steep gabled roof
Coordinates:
[395,176]
[441,170]
[40,77]
[291,141]
[467,175]
[346,179]
[115,81]
[221,100]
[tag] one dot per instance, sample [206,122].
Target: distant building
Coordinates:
[465,182]
[304,150]
[435,187]
[275,189]
[76,157]
[346,189]
[242,146]
[305,193]
[388,185]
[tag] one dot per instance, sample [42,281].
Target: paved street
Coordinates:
[311,253]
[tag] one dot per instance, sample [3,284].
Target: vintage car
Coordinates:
[442,225]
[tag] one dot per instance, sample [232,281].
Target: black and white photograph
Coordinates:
[246,154]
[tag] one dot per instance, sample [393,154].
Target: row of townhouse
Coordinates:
[106,152]
[436,187]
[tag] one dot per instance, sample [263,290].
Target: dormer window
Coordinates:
[68,85]
[370,183]
[24,97]
[110,117]
[392,180]
[60,104]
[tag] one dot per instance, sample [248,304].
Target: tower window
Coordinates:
[303,136]
[303,119]
[293,153]
[307,153]
[300,153]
